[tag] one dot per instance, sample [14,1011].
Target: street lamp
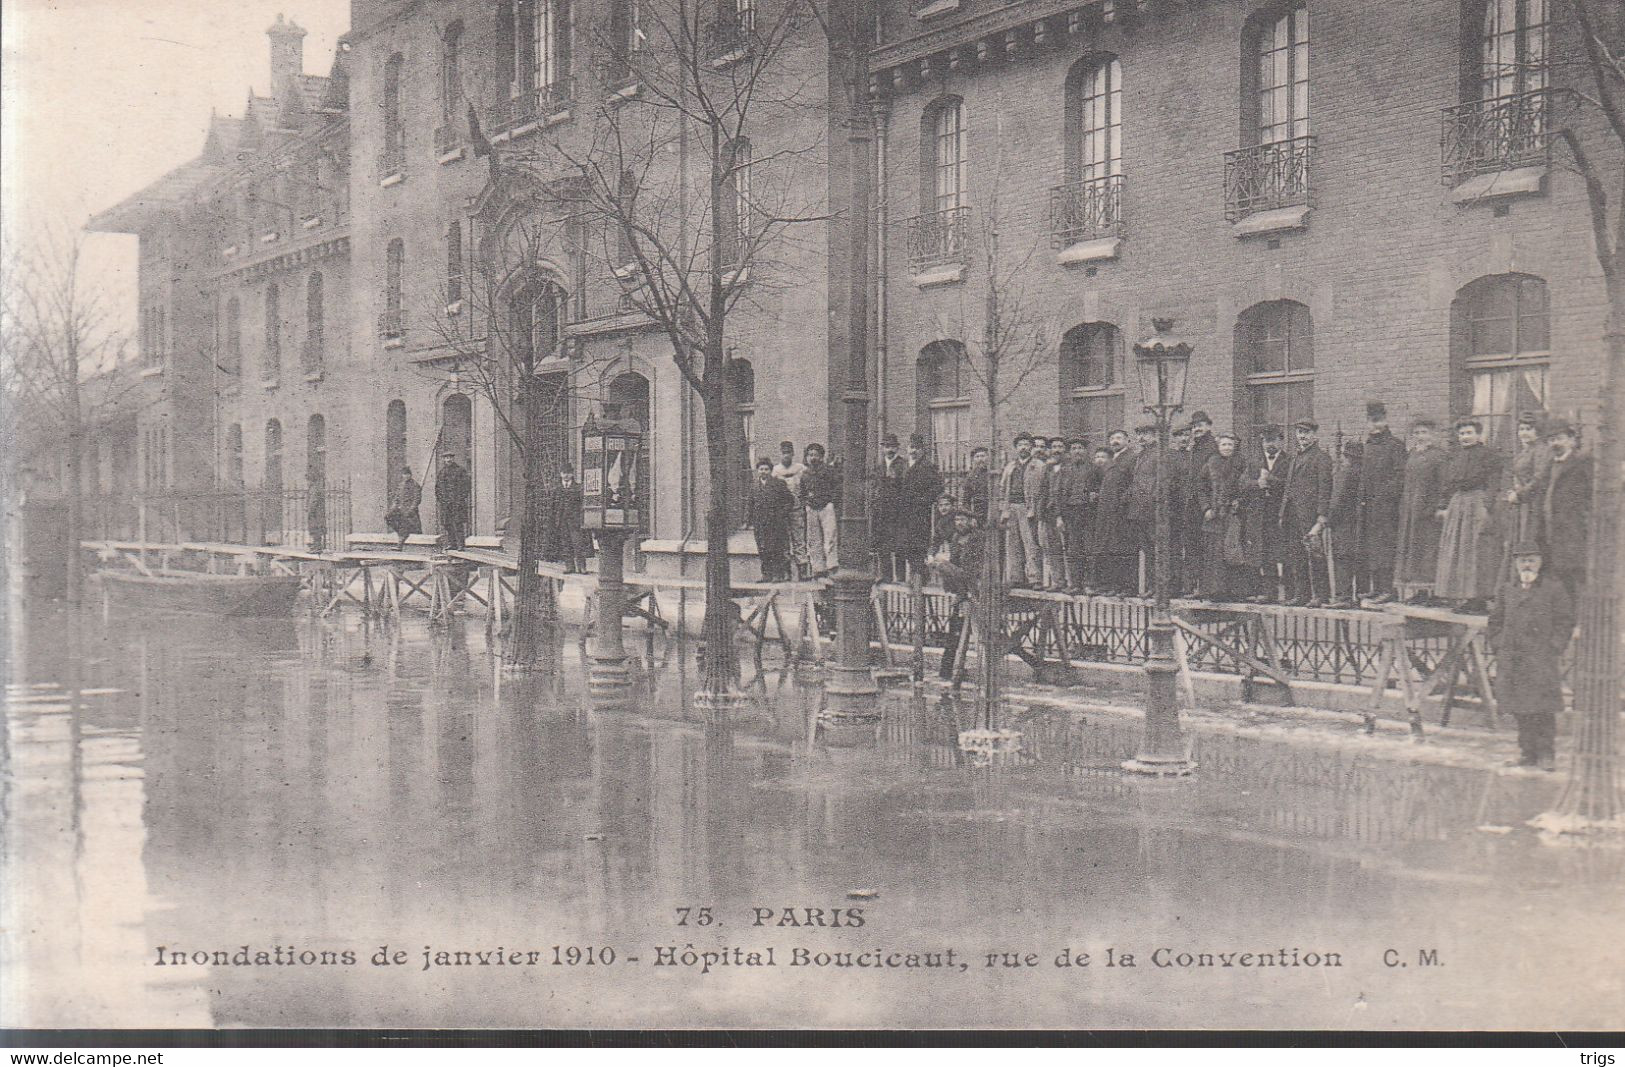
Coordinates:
[612,505]
[1162,361]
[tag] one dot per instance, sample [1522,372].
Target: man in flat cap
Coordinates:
[1529,627]
[1305,502]
[1382,488]
[1343,525]
[1022,555]
[1261,513]
[1565,506]
[1203,447]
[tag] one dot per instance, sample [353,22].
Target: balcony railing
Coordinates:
[1505,133]
[1087,210]
[533,105]
[1267,177]
[392,324]
[938,238]
[729,37]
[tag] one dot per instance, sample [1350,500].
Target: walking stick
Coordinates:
[1331,562]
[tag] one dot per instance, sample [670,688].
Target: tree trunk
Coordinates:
[719,672]
[533,609]
[75,512]
[991,663]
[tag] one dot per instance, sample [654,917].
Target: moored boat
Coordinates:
[203,594]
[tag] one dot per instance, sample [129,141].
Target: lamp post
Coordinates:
[611,505]
[1162,361]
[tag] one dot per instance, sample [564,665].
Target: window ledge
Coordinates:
[311,222]
[453,155]
[394,342]
[935,8]
[948,274]
[1275,221]
[269,383]
[736,277]
[728,59]
[627,271]
[1523,181]
[561,116]
[315,376]
[391,179]
[270,238]
[229,251]
[454,309]
[1089,251]
[153,371]
[629,91]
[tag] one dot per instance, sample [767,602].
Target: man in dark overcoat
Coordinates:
[1343,524]
[1076,482]
[1529,628]
[452,493]
[1565,507]
[1204,446]
[1416,551]
[1140,507]
[1382,487]
[565,539]
[886,527]
[770,509]
[976,491]
[1261,514]
[1306,500]
[1112,543]
[918,486]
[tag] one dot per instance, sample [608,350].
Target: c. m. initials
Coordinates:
[1425,957]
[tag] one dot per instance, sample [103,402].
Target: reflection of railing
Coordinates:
[1267,176]
[1494,135]
[313,518]
[1087,210]
[938,237]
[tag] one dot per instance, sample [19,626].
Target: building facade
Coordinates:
[1334,203]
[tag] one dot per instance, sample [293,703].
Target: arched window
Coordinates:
[1500,343]
[272,369]
[451,72]
[536,316]
[942,385]
[1091,400]
[628,396]
[454,262]
[231,348]
[271,481]
[393,157]
[392,321]
[1275,365]
[315,324]
[394,446]
[734,227]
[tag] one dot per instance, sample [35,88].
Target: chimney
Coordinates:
[287,52]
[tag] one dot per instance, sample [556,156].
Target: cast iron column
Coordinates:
[851,686]
[607,677]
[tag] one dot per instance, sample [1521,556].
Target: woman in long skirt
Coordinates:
[1469,545]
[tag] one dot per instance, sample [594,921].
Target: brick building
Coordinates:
[1332,201]
[320,284]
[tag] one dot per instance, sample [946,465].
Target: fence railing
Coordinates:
[1505,133]
[1267,176]
[938,238]
[308,518]
[1086,210]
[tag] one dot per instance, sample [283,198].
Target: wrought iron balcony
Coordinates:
[729,37]
[1508,132]
[1267,177]
[938,237]
[533,105]
[392,324]
[1086,210]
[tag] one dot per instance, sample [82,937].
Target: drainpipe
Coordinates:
[882,116]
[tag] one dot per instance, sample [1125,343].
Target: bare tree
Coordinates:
[1012,345]
[687,218]
[494,331]
[56,332]
[1593,136]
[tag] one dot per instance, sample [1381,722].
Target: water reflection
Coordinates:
[326,785]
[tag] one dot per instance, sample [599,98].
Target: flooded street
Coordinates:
[316,823]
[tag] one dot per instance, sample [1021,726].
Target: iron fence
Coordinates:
[938,237]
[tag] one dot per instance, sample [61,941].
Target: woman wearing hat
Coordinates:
[1468,554]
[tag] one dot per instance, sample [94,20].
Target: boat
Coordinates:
[203,594]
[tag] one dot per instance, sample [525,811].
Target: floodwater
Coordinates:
[216,823]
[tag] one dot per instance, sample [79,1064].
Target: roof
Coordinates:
[133,213]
